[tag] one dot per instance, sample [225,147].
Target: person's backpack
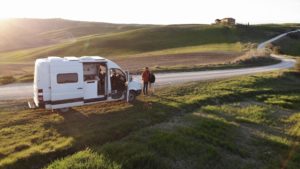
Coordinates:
[152,78]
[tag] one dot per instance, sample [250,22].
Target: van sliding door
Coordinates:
[66,84]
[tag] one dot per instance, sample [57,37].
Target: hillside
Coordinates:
[290,44]
[124,43]
[31,33]
[151,39]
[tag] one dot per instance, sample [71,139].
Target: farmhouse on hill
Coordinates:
[225,21]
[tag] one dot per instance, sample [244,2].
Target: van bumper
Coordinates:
[138,92]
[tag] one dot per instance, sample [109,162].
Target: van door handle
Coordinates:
[79,88]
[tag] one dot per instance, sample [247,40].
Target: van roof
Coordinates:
[73,58]
[83,59]
[91,58]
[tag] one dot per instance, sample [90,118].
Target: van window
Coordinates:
[67,78]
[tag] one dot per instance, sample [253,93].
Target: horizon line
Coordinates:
[136,23]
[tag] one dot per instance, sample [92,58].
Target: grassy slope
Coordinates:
[167,37]
[156,38]
[253,125]
[136,41]
[30,33]
[246,122]
[250,62]
[290,45]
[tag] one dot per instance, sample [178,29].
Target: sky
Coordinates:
[155,11]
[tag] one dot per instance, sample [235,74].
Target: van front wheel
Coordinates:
[131,97]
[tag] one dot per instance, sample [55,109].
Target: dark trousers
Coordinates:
[145,88]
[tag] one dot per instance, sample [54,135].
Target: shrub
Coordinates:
[274,48]
[26,78]
[254,57]
[297,67]
[7,79]
[294,35]
[277,50]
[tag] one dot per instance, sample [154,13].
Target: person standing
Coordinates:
[145,78]
[151,82]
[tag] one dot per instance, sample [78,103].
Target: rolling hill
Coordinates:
[289,45]
[30,33]
[24,40]
[127,41]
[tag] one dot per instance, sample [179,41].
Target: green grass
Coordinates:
[157,39]
[31,33]
[252,113]
[250,62]
[230,123]
[231,129]
[165,37]
[290,45]
[123,42]
[221,47]
[86,159]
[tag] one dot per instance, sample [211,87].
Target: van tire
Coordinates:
[64,110]
[132,96]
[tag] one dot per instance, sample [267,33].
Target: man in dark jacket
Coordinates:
[145,78]
[151,82]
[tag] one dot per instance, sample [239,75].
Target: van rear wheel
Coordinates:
[131,97]
[63,110]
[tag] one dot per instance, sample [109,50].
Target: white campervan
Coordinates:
[71,81]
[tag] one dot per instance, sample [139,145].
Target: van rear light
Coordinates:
[40,95]
[40,98]
[41,102]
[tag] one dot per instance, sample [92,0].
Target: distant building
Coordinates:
[218,21]
[225,21]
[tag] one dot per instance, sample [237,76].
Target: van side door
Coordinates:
[66,84]
[118,84]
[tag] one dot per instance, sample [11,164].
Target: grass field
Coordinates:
[290,45]
[244,122]
[138,45]
[153,39]
[134,44]
[30,33]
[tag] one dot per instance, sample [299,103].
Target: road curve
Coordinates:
[173,78]
[25,90]
[263,44]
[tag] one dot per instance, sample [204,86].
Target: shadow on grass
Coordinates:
[92,126]
[203,142]
[171,145]
[96,128]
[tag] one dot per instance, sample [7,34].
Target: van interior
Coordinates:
[118,81]
[96,81]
